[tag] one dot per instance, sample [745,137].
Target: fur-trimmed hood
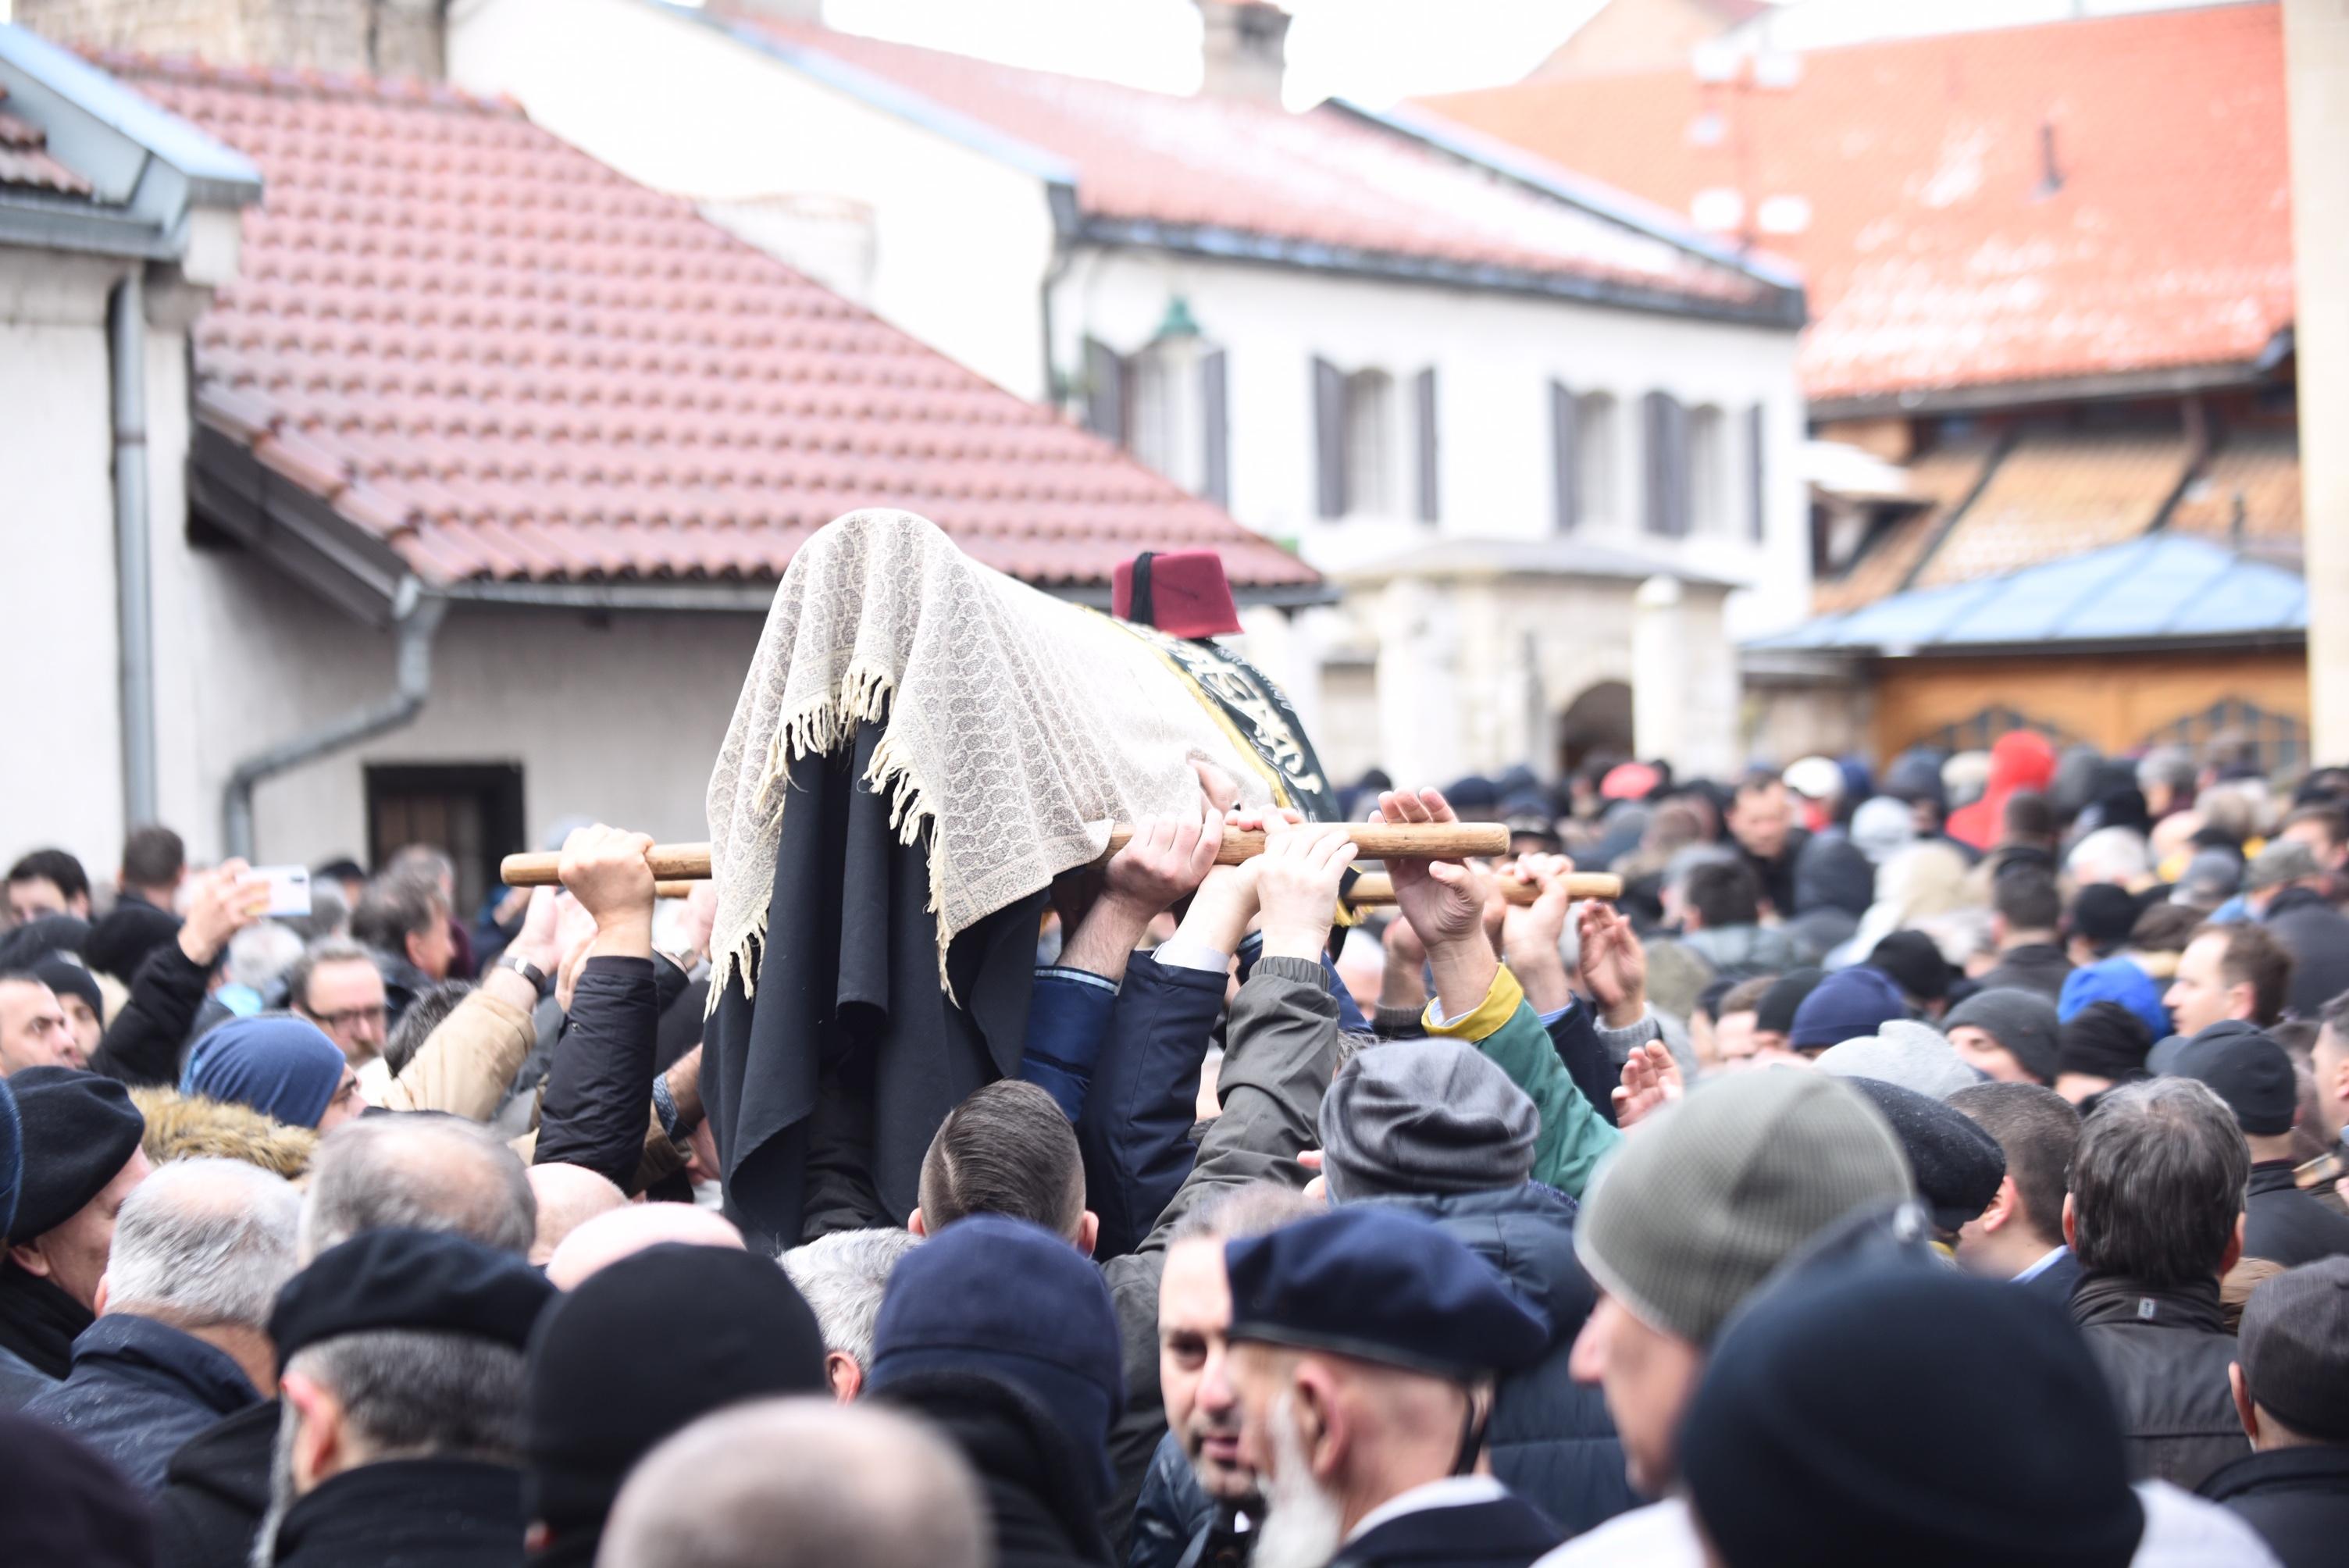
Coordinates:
[186,1126]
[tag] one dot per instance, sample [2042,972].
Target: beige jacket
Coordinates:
[463,1067]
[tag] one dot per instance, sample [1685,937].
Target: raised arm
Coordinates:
[1479,1001]
[142,1044]
[1069,1012]
[1135,1134]
[599,1090]
[1281,1041]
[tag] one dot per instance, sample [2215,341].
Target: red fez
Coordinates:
[1629,781]
[1183,593]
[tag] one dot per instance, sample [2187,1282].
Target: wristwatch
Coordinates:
[527,969]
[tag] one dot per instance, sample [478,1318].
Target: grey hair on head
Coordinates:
[417,1171]
[843,1276]
[205,1242]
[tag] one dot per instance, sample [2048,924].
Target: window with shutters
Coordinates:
[1708,471]
[1374,445]
[1166,405]
[1166,420]
[1664,465]
[1597,486]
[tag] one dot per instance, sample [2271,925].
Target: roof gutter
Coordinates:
[1772,308]
[418,614]
[2198,642]
[2115,386]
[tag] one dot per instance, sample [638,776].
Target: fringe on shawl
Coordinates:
[821,728]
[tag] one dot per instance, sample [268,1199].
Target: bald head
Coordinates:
[799,1483]
[417,1171]
[568,1197]
[607,1238]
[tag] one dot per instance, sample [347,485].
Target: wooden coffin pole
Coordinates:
[1374,841]
[1373,891]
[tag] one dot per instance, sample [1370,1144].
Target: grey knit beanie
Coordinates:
[1912,1055]
[2024,1022]
[1423,1117]
[1697,1207]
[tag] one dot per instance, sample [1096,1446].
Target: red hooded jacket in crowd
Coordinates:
[2022,761]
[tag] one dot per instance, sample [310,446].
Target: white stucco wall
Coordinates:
[961,240]
[618,718]
[63,781]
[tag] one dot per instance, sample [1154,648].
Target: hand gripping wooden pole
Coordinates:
[1417,840]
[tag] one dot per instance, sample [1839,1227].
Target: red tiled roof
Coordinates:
[508,361]
[1932,257]
[24,160]
[1325,177]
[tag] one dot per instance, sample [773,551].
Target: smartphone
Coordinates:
[289,890]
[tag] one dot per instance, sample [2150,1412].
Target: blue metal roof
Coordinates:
[2153,589]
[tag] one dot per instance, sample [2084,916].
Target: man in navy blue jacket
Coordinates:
[181,1338]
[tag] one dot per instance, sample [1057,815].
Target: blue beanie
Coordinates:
[1014,1303]
[1844,1006]
[2114,980]
[12,1156]
[283,1066]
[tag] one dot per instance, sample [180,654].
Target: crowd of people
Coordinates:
[1937,1168]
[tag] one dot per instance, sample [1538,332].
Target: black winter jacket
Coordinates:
[1505,1533]
[144,1043]
[408,1514]
[1550,1438]
[2164,1353]
[138,1390]
[2316,934]
[2038,966]
[1038,1492]
[599,1088]
[2297,1498]
[216,1490]
[2286,1226]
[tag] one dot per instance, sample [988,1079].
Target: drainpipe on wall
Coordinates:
[133,558]
[417,616]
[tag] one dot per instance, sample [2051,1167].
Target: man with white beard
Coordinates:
[1363,1348]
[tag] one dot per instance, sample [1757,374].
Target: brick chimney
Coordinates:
[381,37]
[810,12]
[1247,49]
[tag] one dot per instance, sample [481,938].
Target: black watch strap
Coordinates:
[527,969]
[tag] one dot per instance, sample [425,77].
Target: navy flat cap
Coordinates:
[1381,1284]
[409,1279]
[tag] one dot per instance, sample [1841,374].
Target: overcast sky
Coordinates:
[1374,51]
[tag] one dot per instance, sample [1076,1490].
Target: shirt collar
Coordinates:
[1452,1491]
[2041,1266]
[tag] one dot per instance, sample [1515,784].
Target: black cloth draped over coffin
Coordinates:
[825,1084]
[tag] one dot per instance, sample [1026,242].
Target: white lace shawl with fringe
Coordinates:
[1020,726]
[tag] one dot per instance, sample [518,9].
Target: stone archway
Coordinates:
[1596,721]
